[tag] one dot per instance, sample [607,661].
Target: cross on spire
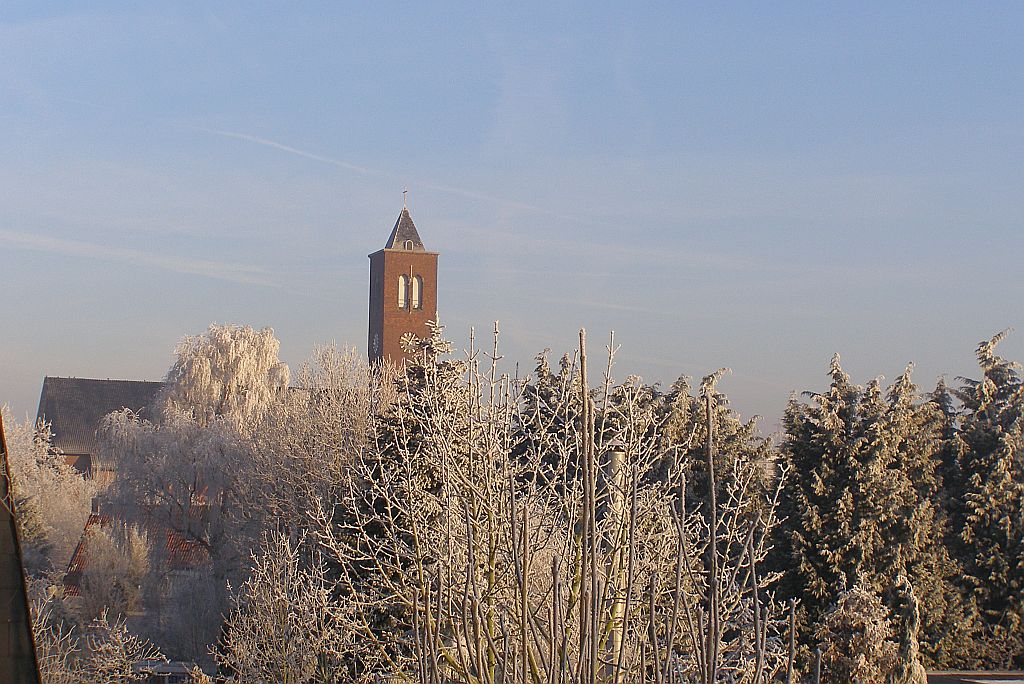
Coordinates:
[405,193]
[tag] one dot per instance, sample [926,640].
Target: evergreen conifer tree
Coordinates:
[991,518]
[816,538]
[550,414]
[919,435]
[860,504]
[370,521]
[684,438]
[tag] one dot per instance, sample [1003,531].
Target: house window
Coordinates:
[403,291]
[408,245]
[417,292]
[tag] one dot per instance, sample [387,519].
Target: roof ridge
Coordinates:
[78,379]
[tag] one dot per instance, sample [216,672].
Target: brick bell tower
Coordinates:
[403,291]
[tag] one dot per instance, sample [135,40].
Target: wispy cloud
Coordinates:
[503,242]
[219,270]
[600,304]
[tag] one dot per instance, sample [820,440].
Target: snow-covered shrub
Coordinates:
[856,639]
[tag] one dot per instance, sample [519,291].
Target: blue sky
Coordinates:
[749,185]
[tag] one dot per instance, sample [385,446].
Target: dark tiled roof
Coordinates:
[403,232]
[74,407]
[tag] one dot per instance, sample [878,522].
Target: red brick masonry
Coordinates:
[388,322]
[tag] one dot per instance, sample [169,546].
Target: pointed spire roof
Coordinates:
[404,234]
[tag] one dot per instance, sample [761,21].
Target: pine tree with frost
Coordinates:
[429,391]
[991,468]
[855,638]
[817,536]
[919,431]
[907,667]
[390,481]
[861,504]
[545,419]
[943,399]
[684,435]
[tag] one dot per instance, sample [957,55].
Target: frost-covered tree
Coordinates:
[907,667]
[176,474]
[229,371]
[368,520]
[818,500]
[944,399]
[991,494]
[918,428]
[861,504]
[685,436]
[56,643]
[686,425]
[457,562]
[116,563]
[550,411]
[179,477]
[183,612]
[197,676]
[113,654]
[855,638]
[300,451]
[229,455]
[190,470]
[53,498]
[182,470]
[283,624]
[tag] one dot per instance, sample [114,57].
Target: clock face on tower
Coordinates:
[408,342]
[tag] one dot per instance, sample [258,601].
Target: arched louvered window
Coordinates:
[417,292]
[403,291]
[408,245]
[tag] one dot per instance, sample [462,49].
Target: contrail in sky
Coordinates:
[294,150]
[449,189]
[220,270]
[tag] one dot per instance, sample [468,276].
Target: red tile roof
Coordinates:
[176,553]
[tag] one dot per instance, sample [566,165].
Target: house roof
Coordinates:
[74,407]
[176,552]
[73,575]
[404,232]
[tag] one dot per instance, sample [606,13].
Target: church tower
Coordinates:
[403,291]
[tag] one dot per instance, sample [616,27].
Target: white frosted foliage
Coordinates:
[54,498]
[230,371]
[282,627]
